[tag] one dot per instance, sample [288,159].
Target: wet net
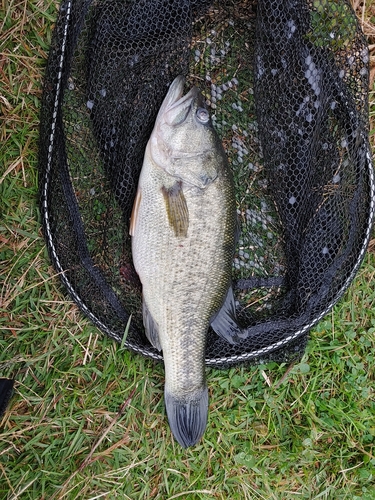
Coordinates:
[286,83]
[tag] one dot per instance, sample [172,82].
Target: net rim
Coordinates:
[149,351]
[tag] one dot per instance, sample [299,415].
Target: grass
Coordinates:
[87,419]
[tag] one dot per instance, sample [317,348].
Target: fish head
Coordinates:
[184,142]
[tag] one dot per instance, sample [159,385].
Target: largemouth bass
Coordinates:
[183,232]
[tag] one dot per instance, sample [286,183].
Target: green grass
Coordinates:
[87,419]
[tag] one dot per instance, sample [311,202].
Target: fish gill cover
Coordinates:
[286,84]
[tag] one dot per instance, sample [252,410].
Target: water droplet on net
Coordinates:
[351,60]
[292,28]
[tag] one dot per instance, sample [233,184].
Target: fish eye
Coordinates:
[203,115]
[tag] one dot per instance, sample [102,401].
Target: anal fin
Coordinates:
[151,327]
[225,323]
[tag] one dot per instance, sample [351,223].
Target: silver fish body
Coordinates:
[183,230]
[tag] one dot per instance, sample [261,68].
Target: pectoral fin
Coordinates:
[151,327]
[177,210]
[134,214]
[225,322]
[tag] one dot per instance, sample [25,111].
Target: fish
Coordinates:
[183,228]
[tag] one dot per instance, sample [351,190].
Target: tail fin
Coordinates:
[187,416]
[6,391]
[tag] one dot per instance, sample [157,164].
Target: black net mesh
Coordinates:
[286,83]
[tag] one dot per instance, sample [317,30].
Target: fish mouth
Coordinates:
[177,91]
[176,105]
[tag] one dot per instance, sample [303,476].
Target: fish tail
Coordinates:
[187,416]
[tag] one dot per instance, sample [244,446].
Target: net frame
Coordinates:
[72,17]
